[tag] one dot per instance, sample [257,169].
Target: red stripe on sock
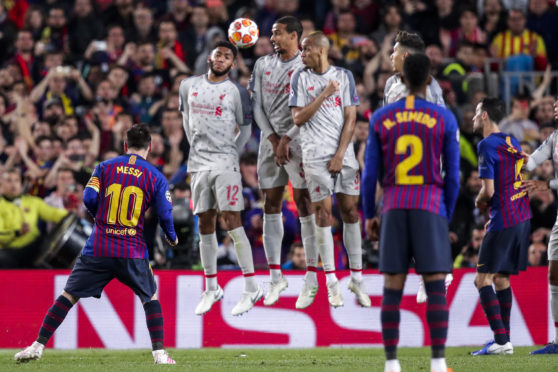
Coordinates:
[436,307]
[54,316]
[390,325]
[437,294]
[439,324]
[438,341]
[501,331]
[248,274]
[156,339]
[311,268]
[392,342]
[494,317]
[61,305]
[158,328]
[274,267]
[211,275]
[153,316]
[48,328]
[493,303]
[390,307]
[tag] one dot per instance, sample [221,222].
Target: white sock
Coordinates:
[272,239]
[245,260]
[392,365]
[331,277]
[308,235]
[325,245]
[554,308]
[352,239]
[438,365]
[208,255]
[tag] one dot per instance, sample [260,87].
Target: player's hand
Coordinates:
[171,242]
[535,185]
[331,87]
[282,154]
[373,228]
[274,139]
[481,205]
[24,229]
[335,164]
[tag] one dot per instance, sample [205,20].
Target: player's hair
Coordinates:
[292,24]
[416,70]
[411,42]
[319,39]
[495,108]
[138,137]
[228,45]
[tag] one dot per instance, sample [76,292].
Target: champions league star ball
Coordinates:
[243,33]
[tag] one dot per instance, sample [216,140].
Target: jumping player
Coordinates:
[270,86]
[117,195]
[212,106]
[504,249]
[323,103]
[411,141]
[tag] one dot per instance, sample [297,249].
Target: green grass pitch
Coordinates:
[321,359]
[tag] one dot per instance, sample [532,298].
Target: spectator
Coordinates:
[392,22]
[296,258]
[141,102]
[544,21]
[195,37]
[537,254]
[179,13]
[55,33]
[493,20]
[112,48]
[8,31]
[24,58]
[345,40]
[121,13]
[84,27]
[469,255]
[19,217]
[34,21]
[68,195]
[434,52]
[169,50]
[517,123]
[331,19]
[468,30]
[518,40]
[144,31]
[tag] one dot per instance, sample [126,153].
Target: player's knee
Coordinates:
[272,206]
[304,205]
[553,277]
[501,282]
[482,281]
[69,297]
[350,215]
[323,217]
[232,220]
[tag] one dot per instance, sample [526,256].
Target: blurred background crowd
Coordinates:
[75,75]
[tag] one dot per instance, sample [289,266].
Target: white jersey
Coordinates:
[548,150]
[210,114]
[321,134]
[395,90]
[271,83]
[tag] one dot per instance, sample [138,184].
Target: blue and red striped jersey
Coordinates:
[117,195]
[411,142]
[500,160]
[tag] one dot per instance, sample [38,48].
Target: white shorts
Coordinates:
[553,243]
[270,175]
[219,190]
[322,184]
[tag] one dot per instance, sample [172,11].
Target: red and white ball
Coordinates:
[243,33]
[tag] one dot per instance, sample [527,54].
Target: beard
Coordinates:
[219,73]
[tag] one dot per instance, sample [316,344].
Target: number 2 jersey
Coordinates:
[500,160]
[118,194]
[411,142]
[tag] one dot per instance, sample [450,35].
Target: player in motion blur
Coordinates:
[212,106]
[548,151]
[504,249]
[118,194]
[270,86]
[323,102]
[406,44]
[410,142]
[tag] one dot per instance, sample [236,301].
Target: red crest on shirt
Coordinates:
[311,88]
[268,72]
[194,94]
[222,96]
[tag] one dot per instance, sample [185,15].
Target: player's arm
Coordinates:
[542,153]
[49,213]
[301,115]
[336,163]
[451,162]
[183,107]
[486,173]
[91,192]
[243,118]
[372,158]
[163,208]
[437,93]
[485,194]
[256,88]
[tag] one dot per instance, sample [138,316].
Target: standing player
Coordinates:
[270,86]
[323,102]
[504,249]
[410,142]
[212,106]
[407,44]
[548,151]
[118,194]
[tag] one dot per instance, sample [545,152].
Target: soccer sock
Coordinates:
[352,239]
[308,235]
[53,318]
[437,315]
[154,319]
[491,308]
[208,254]
[554,309]
[390,317]
[325,245]
[272,238]
[244,254]
[505,299]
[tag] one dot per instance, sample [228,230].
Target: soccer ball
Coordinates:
[243,33]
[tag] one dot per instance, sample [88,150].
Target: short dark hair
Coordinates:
[40,139]
[138,137]
[412,42]
[226,44]
[292,24]
[494,107]
[416,70]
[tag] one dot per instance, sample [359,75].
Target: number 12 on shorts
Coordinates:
[232,193]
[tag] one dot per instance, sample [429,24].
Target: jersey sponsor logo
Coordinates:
[218,111]
[411,116]
[129,170]
[120,232]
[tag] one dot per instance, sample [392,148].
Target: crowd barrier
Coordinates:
[117,320]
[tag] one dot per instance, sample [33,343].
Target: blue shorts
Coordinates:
[505,251]
[91,274]
[407,234]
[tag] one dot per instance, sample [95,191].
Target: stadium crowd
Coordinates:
[75,75]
